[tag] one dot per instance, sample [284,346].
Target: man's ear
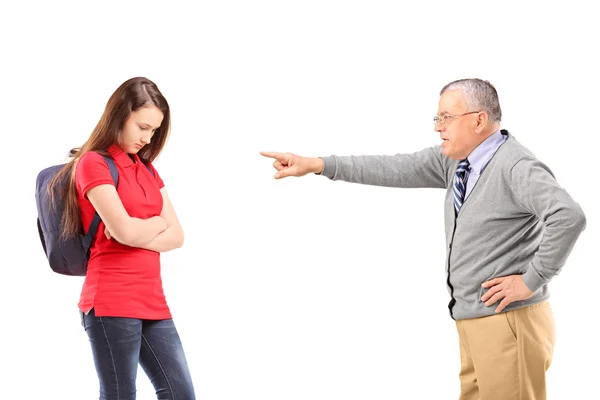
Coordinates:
[481,122]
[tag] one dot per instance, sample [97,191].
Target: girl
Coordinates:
[122,304]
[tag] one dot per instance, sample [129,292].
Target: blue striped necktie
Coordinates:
[460,184]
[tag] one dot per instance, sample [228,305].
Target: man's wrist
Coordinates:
[318,165]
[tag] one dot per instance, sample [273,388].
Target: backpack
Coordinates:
[66,256]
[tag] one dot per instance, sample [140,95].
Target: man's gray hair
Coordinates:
[479,95]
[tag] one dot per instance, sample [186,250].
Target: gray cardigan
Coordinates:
[516,220]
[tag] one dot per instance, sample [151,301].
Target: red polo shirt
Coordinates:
[121,281]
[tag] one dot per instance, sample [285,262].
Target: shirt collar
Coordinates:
[480,157]
[122,158]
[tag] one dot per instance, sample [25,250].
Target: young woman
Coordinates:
[122,304]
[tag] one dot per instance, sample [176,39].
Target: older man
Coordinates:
[509,230]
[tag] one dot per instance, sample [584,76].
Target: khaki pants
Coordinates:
[505,356]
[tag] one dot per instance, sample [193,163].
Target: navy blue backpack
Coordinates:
[66,256]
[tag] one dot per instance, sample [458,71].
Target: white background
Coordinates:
[300,288]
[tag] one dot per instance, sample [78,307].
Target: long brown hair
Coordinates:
[132,95]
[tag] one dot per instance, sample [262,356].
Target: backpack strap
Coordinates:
[149,169]
[113,169]
[87,239]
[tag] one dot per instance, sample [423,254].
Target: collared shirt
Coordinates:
[480,157]
[121,281]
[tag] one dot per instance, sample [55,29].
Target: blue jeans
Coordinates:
[118,344]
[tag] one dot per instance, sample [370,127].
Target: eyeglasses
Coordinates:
[441,119]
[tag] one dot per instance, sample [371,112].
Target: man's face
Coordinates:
[457,131]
